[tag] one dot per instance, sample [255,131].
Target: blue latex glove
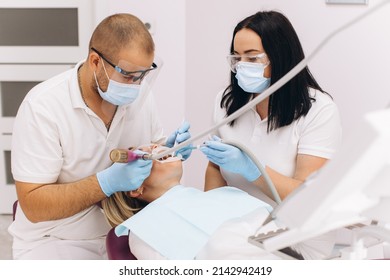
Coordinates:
[230,158]
[178,136]
[124,176]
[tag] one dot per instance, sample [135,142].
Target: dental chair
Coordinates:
[118,247]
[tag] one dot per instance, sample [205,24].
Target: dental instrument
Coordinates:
[125,156]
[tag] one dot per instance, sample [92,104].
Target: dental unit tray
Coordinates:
[258,239]
[285,253]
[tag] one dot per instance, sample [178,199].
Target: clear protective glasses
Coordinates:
[132,75]
[235,59]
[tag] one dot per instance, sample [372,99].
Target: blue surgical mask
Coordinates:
[118,93]
[251,78]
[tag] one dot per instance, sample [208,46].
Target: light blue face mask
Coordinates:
[251,78]
[118,93]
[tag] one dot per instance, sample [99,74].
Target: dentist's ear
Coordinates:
[93,60]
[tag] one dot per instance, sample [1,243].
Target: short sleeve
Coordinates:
[38,157]
[320,129]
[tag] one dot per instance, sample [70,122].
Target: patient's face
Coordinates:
[165,173]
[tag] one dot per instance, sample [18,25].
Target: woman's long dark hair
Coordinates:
[282,46]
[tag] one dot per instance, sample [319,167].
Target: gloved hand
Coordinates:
[180,135]
[124,176]
[230,158]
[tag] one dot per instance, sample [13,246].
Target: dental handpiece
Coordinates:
[125,156]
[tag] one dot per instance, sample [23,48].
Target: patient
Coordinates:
[178,222]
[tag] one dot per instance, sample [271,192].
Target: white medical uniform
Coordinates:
[58,139]
[317,134]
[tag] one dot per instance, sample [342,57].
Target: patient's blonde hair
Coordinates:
[119,207]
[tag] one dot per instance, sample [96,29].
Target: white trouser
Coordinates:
[57,249]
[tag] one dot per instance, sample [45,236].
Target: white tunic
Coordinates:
[317,134]
[58,139]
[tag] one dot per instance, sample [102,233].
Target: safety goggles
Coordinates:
[234,59]
[129,77]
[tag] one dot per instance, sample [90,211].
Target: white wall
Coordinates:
[168,20]
[193,38]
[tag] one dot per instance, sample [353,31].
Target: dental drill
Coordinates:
[125,156]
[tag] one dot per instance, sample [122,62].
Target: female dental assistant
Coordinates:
[292,133]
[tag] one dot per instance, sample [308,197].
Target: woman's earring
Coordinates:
[137,192]
[140,190]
